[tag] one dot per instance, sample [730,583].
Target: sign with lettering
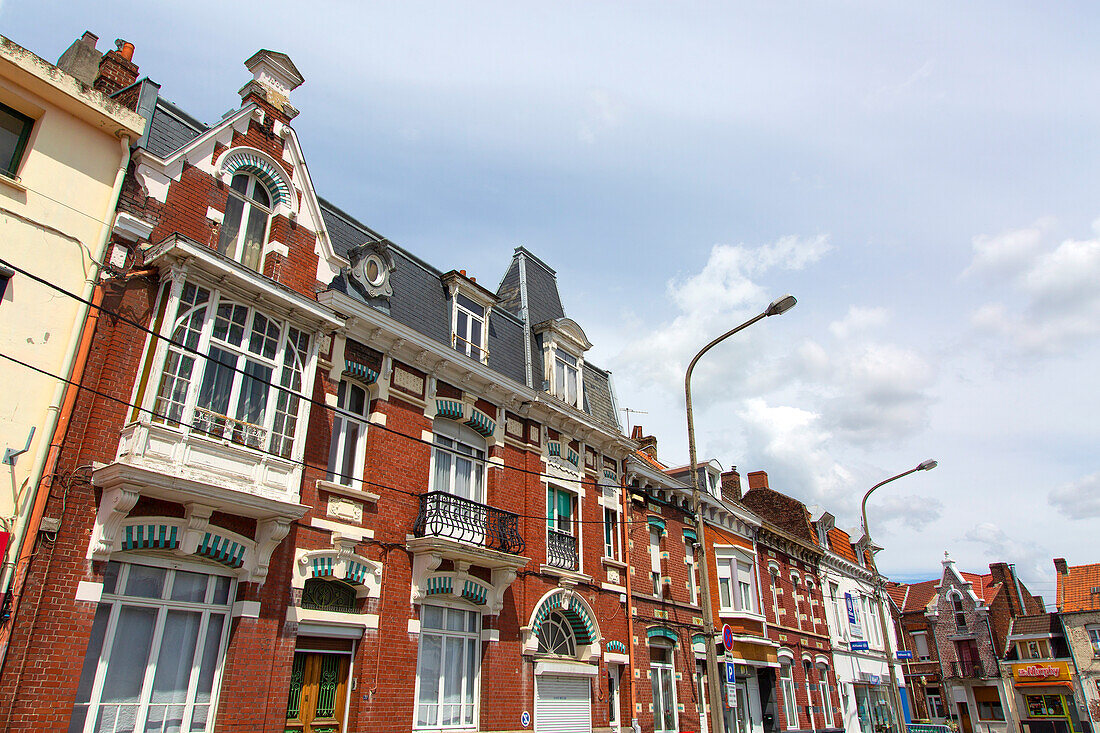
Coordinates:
[1041,672]
[731,684]
[905,654]
[859,646]
[855,626]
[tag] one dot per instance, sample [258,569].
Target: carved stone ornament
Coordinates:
[371,267]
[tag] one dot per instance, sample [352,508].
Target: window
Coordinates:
[689,559]
[15,129]
[154,656]
[745,599]
[555,636]
[838,614]
[458,461]
[735,586]
[469,327]
[5,278]
[960,615]
[349,436]
[807,674]
[561,541]
[662,678]
[786,681]
[1094,637]
[796,587]
[989,703]
[244,226]
[249,388]
[447,668]
[920,645]
[1033,650]
[610,533]
[725,582]
[935,705]
[773,571]
[826,699]
[566,383]
[321,594]
[655,559]
[614,671]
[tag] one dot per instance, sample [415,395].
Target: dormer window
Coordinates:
[469,327]
[244,227]
[566,377]
[563,346]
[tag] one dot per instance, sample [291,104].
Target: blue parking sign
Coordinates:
[730,676]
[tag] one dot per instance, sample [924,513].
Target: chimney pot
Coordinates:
[473,279]
[462,272]
[125,49]
[758,479]
[636,433]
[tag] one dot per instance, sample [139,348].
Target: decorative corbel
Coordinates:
[114,506]
[198,520]
[501,579]
[424,564]
[269,533]
[421,359]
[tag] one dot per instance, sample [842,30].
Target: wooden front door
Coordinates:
[964,718]
[318,690]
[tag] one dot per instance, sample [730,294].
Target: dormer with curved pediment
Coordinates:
[563,344]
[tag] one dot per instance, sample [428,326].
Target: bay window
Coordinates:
[247,385]
[349,435]
[447,668]
[155,653]
[735,585]
[244,225]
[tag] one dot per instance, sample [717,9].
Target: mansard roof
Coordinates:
[420,300]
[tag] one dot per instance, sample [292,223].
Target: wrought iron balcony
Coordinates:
[561,550]
[969,669]
[446,515]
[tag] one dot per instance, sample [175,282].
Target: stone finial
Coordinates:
[274,77]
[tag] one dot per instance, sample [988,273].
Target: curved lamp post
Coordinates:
[895,693]
[777,307]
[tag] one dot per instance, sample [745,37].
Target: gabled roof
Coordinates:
[841,543]
[984,587]
[898,593]
[1075,588]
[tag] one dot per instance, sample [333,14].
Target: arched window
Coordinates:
[244,226]
[349,435]
[556,636]
[320,594]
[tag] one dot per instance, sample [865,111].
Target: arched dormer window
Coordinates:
[244,226]
[555,636]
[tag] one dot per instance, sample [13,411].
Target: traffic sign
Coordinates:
[727,636]
[731,684]
[859,646]
[905,654]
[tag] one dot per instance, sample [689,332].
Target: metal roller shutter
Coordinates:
[563,704]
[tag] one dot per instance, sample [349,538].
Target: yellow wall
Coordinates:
[52,224]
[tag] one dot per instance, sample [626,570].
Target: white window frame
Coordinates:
[839,616]
[614,673]
[462,342]
[567,364]
[249,206]
[938,705]
[291,377]
[787,686]
[736,570]
[826,692]
[1094,638]
[343,420]
[796,586]
[610,533]
[773,573]
[655,559]
[465,636]
[458,436]
[920,637]
[116,599]
[689,560]
[658,673]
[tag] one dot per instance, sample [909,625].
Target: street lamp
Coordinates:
[895,694]
[777,307]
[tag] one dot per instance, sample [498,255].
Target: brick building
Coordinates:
[315,483]
[1078,599]
[922,673]
[803,694]
[1039,663]
[968,619]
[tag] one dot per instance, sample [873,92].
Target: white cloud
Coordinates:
[1059,302]
[1078,499]
[858,320]
[602,113]
[909,510]
[1031,560]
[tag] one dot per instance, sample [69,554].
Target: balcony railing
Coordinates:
[223,426]
[561,550]
[973,669]
[446,515]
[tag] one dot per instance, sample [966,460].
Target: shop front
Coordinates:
[873,707]
[1044,697]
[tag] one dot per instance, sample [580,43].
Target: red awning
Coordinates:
[1045,684]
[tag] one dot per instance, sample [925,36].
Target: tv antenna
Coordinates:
[627,410]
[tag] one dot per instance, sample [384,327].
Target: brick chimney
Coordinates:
[646,443]
[731,485]
[758,480]
[117,69]
[1062,569]
[81,59]
[274,77]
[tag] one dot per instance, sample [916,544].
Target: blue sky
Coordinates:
[922,176]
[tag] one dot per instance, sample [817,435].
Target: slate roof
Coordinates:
[419,298]
[1075,588]
[1043,623]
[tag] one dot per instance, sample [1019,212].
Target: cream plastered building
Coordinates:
[64,148]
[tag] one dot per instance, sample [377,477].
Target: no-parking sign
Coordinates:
[727,637]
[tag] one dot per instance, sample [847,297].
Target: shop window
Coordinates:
[153,658]
[447,668]
[989,703]
[244,226]
[248,388]
[349,436]
[15,130]
[662,670]
[786,682]
[555,636]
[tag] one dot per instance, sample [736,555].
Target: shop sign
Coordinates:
[854,625]
[1041,672]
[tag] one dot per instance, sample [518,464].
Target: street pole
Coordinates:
[714,682]
[895,692]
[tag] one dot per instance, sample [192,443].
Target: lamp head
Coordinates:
[780,305]
[927,465]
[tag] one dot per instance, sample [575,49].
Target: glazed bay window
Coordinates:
[15,130]
[244,226]
[154,657]
[447,668]
[246,387]
[469,327]
[349,436]
[735,586]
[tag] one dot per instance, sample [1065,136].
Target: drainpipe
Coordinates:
[629,597]
[57,422]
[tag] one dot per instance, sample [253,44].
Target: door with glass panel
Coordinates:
[456,508]
[154,657]
[318,692]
